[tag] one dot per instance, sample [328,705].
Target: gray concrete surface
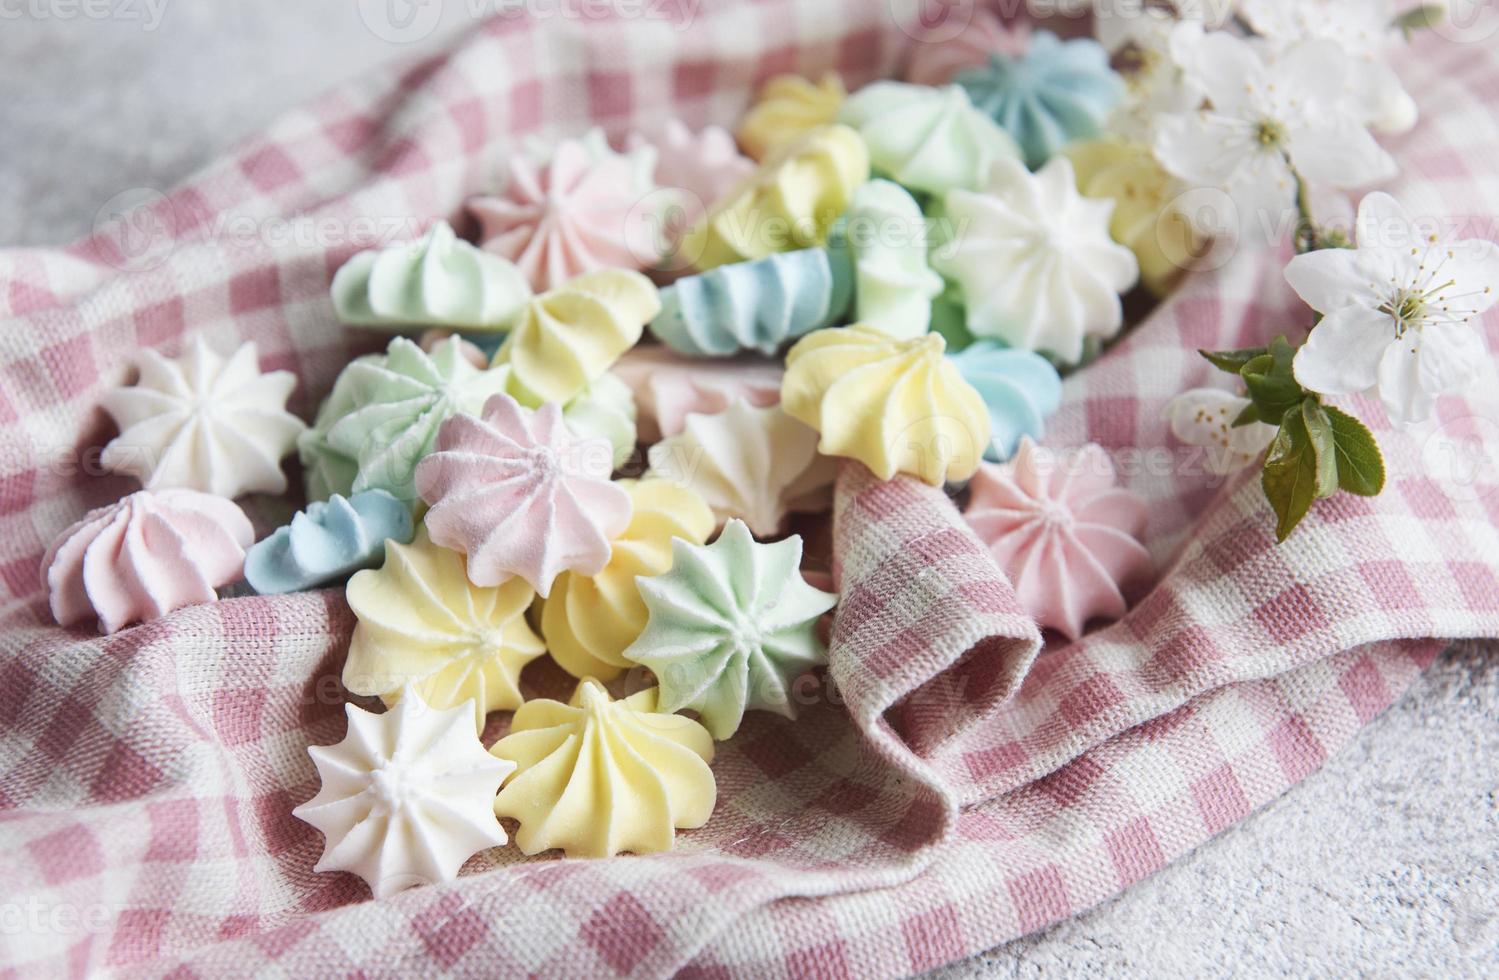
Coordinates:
[1382,863]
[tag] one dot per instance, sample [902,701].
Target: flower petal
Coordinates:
[1330,279]
[1405,401]
[1342,354]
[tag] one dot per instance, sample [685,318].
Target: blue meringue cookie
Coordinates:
[327,541]
[755,305]
[1056,92]
[1020,387]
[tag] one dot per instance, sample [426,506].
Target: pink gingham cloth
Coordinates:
[949,787]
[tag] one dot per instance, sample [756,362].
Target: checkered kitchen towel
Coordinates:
[951,788]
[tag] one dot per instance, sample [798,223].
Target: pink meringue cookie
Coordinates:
[939,54]
[1064,533]
[669,386]
[572,214]
[706,164]
[520,494]
[145,556]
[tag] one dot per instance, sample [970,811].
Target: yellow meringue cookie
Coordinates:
[588,620]
[421,621]
[597,777]
[568,337]
[788,106]
[790,202]
[897,406]
[1145,219]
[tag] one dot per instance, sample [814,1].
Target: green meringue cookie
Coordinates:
[396,404]
[325,470]
[886,233]
[606,408]
[439,280]
[730,627]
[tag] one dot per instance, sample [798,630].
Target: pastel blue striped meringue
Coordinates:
[1056,92]
[1020,387]
[328,540]
[757,305]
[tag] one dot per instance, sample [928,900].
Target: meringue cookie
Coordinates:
[422,622]
[787,107]
[572,214]
[1035,261]
[405,797]
[1062,531]
[474,353]
[887,234]
[1146,219]
[668,386]
[703,166]
[731,626]
[935,58]
[790,202]
[569,337]
[754,305]
[1054,92]
[203,422]
[597,777]
[327,541]
[1020,388]
[521,495]
[588,620]
[147,555]
[927,139]
[398,401]
[605,410]
[897,406]
[756,464]
[326,470]
[439,280]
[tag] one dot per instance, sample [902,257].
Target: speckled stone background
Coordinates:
[1383,862]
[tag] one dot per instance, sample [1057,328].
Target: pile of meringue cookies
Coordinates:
[875,277]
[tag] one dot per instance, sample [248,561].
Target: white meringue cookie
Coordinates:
[204,422]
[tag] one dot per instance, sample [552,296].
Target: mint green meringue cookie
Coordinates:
[396,403]
[730,627]
[325,470]
[886,233]
[439,280]
[606,408]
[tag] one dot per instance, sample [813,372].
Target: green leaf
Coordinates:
[1232,361]
[1360,464]
[1290,477]
[1273,391]
[1324,446]
[1249,416]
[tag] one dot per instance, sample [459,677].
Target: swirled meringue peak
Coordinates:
[669,386]
[935,57]
[597,777]
[203,422]
[423,623]
[520,494]
[1064,533]
[605,410]
[328,540]
[325,469]
[570,336]
[588,620]
[897,406]
[755,306]
[1056,91]
[756,464]
[927,139]
[731,626]
[573,213]
[1021,389]
[396,404]
[787,107]
[146,556]
[406,797]
[887,235]
[438,280]
[1035,261]
[703,165]
[789,203]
